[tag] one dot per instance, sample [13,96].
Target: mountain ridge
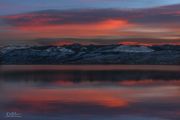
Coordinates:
[92,54]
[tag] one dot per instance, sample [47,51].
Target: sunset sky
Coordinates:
[56,22]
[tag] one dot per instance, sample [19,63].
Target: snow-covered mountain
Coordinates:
[90,54]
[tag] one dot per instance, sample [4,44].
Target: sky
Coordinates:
[89,22]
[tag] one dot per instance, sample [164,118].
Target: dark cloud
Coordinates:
[167,14]
[92,26]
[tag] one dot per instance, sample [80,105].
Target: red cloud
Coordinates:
[107,27]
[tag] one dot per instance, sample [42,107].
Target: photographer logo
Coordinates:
[13,115]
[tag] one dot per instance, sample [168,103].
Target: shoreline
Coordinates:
[6,68]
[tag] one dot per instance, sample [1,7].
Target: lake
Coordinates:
[97,92]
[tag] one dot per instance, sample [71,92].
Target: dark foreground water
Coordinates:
[89,94]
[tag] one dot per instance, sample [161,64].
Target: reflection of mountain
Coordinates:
[91,76]
[91,54]
[70,94]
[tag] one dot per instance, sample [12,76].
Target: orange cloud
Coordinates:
[135,43]
[107,27]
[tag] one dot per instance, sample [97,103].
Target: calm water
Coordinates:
[62,93]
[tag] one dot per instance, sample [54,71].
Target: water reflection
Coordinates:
[91,95]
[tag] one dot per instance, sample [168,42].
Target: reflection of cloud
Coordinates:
[82,96]
[148,82]
[148,100]
[102,93]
